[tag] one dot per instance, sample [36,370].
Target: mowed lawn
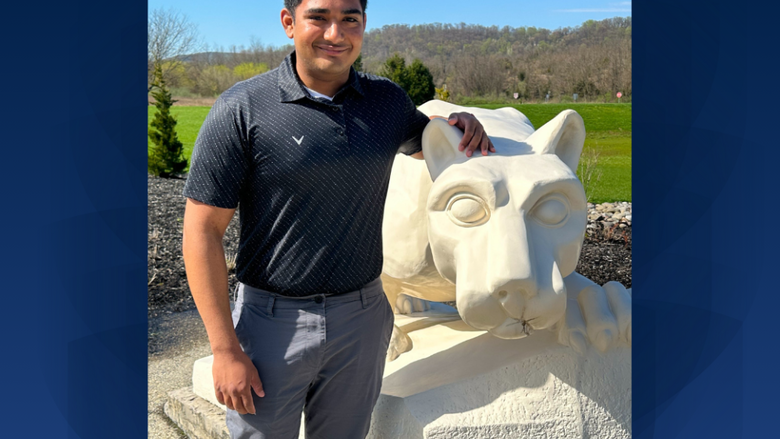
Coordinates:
[608,134]
[608,128]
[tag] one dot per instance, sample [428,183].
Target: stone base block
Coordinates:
[557,395]
[203,381]
[198,418]
[461,383]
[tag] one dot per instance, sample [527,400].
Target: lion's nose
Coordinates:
[513,296]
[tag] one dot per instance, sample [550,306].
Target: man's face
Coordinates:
[328,34]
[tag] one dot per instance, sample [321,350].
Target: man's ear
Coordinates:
[440,142]
[288,22]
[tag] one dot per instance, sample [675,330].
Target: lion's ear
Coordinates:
[564,136]
[440,146]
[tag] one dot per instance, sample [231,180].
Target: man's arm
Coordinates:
[204,260]
[474,135]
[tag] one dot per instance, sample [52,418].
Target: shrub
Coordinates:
[249,69]
[165,156]
[443,94]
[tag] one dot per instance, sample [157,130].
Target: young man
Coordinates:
[306,151]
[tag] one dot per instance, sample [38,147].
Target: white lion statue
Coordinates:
[500,234]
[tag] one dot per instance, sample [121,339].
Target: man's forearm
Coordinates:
[204,260]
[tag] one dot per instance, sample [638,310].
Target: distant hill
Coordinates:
[592,60]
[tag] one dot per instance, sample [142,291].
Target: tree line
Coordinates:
[592,60]
[466,62]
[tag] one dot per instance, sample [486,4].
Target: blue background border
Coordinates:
[74,220]
[704,193]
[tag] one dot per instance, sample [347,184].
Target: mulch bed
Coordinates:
[605,256]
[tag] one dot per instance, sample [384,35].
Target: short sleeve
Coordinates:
[219,165]
[415,123]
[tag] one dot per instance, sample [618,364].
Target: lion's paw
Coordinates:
[407,304]
[399,343]
[601,315]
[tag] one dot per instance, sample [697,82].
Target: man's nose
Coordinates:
[334,32]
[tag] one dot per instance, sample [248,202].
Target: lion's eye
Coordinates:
[467,210]
[551,212]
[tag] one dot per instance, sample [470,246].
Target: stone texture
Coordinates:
[557,395]
[198,418]
[203,381]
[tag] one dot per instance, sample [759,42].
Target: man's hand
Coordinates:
[234,379]
[474,135]
[204,260]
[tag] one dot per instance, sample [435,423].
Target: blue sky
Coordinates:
[237,22]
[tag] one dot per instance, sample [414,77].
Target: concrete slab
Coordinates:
[198,418]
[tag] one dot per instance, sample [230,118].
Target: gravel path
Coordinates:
[176,340]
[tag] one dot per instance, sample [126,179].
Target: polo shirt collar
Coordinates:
[290,86]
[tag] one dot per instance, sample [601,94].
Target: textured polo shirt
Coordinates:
[310,176]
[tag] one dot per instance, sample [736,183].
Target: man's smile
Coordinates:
[332,50]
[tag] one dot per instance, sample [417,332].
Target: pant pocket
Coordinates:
[389,319]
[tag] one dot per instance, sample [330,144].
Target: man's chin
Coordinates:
[332,65]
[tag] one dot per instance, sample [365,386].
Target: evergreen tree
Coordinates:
[415,79]
[393,69]
[165,156]
[419,83]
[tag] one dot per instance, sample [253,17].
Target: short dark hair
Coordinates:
[290,5]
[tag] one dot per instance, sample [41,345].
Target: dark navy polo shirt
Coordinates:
[310,176]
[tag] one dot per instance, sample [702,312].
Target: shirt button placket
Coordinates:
[342,131]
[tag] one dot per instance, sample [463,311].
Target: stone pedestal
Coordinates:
[462,383]
[458,382]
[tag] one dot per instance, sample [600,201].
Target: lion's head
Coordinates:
[504,228]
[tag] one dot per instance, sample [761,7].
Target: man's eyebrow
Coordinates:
[327,11]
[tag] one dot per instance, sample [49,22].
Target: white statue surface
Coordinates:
[533,349]
[500,235]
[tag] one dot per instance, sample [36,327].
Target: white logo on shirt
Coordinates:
[298,141]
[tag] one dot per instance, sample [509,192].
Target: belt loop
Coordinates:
[270,307]
[235,291]
[364,298]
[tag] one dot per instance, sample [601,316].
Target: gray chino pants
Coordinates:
[323,355]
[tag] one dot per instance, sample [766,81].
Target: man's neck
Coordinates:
[326,85]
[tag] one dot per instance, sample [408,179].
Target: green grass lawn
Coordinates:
[608,134]
[608,128]
[597,117]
